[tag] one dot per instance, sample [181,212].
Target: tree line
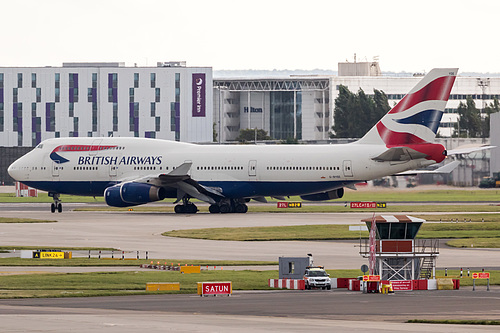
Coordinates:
[356,113]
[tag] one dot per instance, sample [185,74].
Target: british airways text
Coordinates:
[125,160]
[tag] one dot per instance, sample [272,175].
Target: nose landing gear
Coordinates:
[56,205]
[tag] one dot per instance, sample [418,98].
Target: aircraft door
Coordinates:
[55,170]
[113,165]
[252,168]
[113,170]
[347,165]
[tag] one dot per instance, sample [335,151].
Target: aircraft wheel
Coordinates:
[225,208]
[241,208]
[59,208]
[214,209]
[191,208]
[53,208]
[179,209]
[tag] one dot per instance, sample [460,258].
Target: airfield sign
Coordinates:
[482,275]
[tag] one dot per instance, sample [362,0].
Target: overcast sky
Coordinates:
[410,36]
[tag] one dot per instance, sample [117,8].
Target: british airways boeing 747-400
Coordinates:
[135,171]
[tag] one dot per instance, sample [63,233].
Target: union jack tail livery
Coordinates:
[413,123]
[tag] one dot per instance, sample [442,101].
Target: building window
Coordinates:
[57,87]
[136,80]
[19,80]
[131,95]
[115,117]
[157,95]
[73,87]
[153,80]
[282,115]
[33,80]
[50,117]
[153,109]
[38,95]
[113,87]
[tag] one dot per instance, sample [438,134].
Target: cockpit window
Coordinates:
[40,146]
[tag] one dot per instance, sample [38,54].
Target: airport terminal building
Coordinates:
[302,107]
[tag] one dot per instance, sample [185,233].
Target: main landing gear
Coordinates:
[56,205]
[186,207]
[224,206]
[228,206]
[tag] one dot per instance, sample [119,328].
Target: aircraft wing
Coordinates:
[180,179]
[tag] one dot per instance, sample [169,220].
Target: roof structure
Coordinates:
[393,218]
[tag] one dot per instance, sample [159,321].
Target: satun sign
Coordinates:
[215,288]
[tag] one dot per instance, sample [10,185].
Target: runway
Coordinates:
[283,311]
[245,311]
[139,231]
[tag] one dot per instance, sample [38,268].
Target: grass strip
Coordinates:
[133,282]
[93,262]
[483,217]
[490,243]
[378,194]
[23,220]
[43,197]
[10,248]
[466,281]
[312,208]
[333,232]
[455,321]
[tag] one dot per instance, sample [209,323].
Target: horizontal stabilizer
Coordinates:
[397,154]
[442,170]
[467,149]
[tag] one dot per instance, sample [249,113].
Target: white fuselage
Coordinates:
[269,170]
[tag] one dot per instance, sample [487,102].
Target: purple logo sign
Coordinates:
[198,94]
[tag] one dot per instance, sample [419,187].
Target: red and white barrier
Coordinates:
[287,284]
[405,285]
[25,191]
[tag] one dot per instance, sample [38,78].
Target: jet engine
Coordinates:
[132,194]
[334,194]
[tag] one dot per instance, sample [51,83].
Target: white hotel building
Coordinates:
[170,101]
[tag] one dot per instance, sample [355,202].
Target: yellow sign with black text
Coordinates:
[51,255]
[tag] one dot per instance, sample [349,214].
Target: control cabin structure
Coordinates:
[398,255]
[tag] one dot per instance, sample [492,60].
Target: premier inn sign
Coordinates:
[199,94]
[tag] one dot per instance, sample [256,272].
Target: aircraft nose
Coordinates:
[14,170]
